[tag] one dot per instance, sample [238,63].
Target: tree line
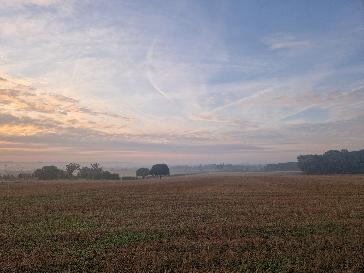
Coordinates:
[333,162]
[74,171]
[92,172]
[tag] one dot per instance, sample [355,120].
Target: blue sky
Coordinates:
[180,81]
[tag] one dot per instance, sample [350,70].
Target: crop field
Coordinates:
[262,223]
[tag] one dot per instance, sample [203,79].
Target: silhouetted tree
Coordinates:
[24,176]
[49,173]
[96,171]
[143,172]
[85,172]
[96,166]
[159,170]
[71,168]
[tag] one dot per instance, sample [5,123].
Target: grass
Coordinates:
[184,224]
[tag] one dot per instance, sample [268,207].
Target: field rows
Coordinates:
[185,224]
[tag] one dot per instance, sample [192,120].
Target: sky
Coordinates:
[181,82]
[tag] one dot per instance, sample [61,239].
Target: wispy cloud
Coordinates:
[23,3]
[279,41]
[140,79]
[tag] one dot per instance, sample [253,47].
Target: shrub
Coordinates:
[129,178]
[143,172]
[49,173]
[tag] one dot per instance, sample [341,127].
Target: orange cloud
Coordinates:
[20,129]
[52,111]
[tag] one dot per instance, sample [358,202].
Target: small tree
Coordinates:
[71,168]
[143,172]
[24,176]
[96,166]
[159,170]
[96,171]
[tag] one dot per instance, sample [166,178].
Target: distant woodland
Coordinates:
[333,162]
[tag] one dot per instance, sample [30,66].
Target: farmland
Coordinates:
[221,223]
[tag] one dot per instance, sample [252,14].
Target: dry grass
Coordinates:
[185,224]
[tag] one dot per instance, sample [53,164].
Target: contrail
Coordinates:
[149,74]
[220,108]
